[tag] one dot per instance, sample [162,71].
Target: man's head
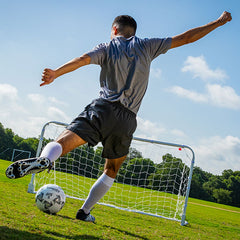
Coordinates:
[123,25]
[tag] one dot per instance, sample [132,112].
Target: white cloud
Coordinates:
[148,129]
[26,118]
[215,94]
[55,113]
[216,154]
[155,131]
[27,125]
[9,102]
[156,72]
[36,98]
[223,96]
[192,95]
[7,92]
[177,132]
[200,69]
[56,101]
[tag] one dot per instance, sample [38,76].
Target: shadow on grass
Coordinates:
[127,233]
[84,236]
[7,233]
[10,233]
[65,217]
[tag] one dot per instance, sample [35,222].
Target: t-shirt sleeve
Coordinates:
[157,46]
[97,54]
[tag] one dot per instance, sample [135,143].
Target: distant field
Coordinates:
[20,219]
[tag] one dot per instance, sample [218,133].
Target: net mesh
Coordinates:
[152,180]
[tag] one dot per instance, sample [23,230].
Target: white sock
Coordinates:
[52,151]
[98,190]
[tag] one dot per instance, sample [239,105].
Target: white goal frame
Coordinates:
[179,198]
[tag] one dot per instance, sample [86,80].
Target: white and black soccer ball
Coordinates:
[50,198]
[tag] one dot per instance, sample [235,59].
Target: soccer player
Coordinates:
[111,118]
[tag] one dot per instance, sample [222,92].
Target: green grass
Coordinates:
[20,219]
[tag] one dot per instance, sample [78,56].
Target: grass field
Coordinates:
[20,219]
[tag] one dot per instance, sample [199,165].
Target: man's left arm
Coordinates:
[50,75]
[195,34]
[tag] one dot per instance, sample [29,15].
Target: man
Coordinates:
[110,119]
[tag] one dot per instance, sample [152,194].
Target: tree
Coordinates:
[168,174]
[233,185]
[134,153]
[213,183]
[137,170]
[198,179]
[4,147]
[222,196]
[227,173]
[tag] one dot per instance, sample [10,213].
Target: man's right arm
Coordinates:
[49,75]
[195,34]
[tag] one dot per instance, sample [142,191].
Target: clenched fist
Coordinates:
[48,76]
[224,18]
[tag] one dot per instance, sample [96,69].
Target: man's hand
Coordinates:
[195,34]
[48,76]
[224,18]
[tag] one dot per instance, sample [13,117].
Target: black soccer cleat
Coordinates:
[81,215]
[27,166]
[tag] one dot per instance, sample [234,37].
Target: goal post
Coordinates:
[155,178]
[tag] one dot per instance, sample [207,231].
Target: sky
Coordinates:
[193,97]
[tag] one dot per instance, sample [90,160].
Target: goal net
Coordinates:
[154,179]
[20,154]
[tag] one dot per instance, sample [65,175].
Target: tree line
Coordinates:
[166,176]
[10,141]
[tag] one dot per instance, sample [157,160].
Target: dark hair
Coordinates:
[126,25]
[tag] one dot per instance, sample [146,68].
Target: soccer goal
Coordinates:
[20,154]
[155,179]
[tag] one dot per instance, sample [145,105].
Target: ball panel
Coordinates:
[50,198]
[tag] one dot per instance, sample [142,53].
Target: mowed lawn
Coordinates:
[20,219]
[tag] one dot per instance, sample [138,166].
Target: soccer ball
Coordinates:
[50,198]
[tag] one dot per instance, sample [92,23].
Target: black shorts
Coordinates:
[107,122]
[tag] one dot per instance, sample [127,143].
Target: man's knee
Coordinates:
[110,169]
[113,165]
[69,140]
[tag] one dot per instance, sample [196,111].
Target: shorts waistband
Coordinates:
[120,105]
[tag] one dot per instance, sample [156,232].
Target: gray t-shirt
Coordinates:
[125,65]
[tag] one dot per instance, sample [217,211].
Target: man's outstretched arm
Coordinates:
[195,34]
[49,75]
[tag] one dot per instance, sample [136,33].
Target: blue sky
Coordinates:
[193,96]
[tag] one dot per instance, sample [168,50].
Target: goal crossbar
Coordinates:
[173,203]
